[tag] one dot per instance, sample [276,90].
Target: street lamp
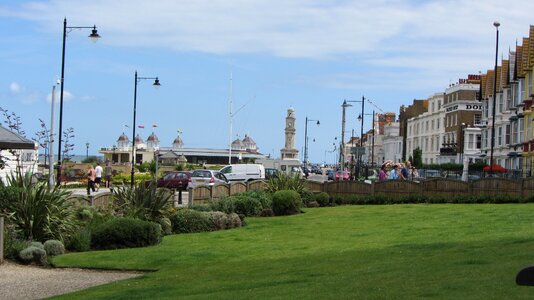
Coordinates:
[344,106]
[360,118]
[94,37]
[87,150]
[306,139]
[496,24]
[156,84]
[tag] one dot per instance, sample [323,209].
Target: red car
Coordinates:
[342,175]
[173,179]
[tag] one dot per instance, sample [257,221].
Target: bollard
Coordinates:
[180,188]
[190,200]
[1,240]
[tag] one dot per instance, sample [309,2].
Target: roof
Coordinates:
[123,138]
[12,140]
[152,138]
[211,152]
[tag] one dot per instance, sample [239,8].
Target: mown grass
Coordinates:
[372,252]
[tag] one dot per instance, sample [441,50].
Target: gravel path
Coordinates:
[31,282]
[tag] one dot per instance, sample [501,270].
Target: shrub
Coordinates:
[285,182]
[220,219]
[37,212]
[286,202]
[307,197]
[322,199]
[33,254]
[187,221]
[246,206]
[234,221]
[54,247]
[14,247]
[225,205]
[125,233]
[266,212]
[166,226]
[80,241]
[142,202]
[37,245]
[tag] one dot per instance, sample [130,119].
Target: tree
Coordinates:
[417,157]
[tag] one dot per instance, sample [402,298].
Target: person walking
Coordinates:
[405,172]
[394,173]
[91,176]
[98,175]
[109,172]
[382,175]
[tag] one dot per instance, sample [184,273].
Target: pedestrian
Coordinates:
[415,173]
[394,173]
[109,172]
[382,176]
[98,176]
[405,171]
[91,176]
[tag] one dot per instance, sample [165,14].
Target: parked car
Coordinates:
[316,170]
[330,174]
[207,177]
[244,172]
[306,171]
[175,180]
[271,173]
[342,175]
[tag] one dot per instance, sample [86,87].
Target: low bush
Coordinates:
[307,197]
[267,212]
[234,221]
[322,199]
[80,241]
[33,254]
[247,206]
[220,219]
[286,202]
[37,245]
[125,233]
[188,220]
[54,247]
[14,247]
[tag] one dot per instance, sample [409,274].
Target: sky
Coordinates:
[266,55]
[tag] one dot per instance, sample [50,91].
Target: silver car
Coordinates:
[207,177]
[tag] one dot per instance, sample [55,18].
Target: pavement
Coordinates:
[101,191]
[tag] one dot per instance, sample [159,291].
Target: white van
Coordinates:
[288,166]
[244,172]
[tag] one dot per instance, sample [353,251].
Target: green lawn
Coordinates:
[374,252]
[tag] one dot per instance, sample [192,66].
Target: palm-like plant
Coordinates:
[285,182]
[37,211]
[144,202]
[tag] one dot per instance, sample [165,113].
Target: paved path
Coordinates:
[31,282]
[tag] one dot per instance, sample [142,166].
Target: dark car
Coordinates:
[306,171]
[330,174]
[271,173]
[175,180]
[316,170]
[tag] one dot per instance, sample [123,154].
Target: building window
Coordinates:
[479,141]
[478,119]
[499,136]
[521,126]
[432,125]
[507,138]
[470,142]
[439,104]
[509,100]
[514,132]
[501,103]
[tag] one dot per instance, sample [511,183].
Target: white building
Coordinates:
[17,154]
[392,142]
[426,131]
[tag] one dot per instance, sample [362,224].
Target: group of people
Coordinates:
[395,171]
[94,177]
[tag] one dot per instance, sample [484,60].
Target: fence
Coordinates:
[443,187]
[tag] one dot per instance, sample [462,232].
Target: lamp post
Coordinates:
[496,24]
[360,118]
[156,84]
[87,150]
[94,37]
[345,105]
[306,139]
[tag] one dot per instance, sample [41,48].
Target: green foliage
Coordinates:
[220,219]
[417,157]
[145,202]
[125,178]
[234,221]
[188,220]
[33,254]
[80,241]
[285,182]
[323,199]
[54,247]
[307,197]
[477,166]
[38,212]
[37,245]
[125,233]
[90,160]
[249,203]
[286,202]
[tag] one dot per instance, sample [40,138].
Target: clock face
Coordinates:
[290,124]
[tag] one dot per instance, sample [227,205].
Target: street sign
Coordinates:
[357,150]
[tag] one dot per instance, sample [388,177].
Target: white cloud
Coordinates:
[15,88]
[67,96]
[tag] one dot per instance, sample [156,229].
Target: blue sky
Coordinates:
[309,55]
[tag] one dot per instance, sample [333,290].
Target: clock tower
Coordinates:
[289,151]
